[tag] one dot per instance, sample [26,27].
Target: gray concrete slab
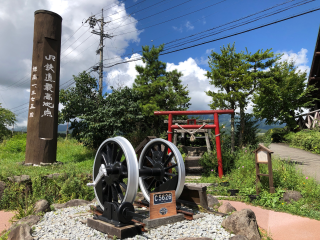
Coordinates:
[308,163]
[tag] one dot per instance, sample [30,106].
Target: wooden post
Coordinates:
[206,135]
[263,156]
[44,89]
[175,138]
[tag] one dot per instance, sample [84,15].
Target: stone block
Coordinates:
[152,223]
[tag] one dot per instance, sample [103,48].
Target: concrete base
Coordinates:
[152,223]
[119,232]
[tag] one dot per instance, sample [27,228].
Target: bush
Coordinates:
[277,134]
[62,189]
[307,139]
[16,144]
[209,161]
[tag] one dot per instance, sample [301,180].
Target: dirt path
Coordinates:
[308,163]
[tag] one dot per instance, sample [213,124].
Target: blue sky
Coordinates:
[296,38]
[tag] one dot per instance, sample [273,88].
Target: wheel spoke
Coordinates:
[164,153]
[159,147]
[120,194]
[170,174]
[114,151]
[123,185]
[165,178]
[174,165]
[119,155]
[150,160]
[105,158]
[109,153]
[168,160]
[152,182]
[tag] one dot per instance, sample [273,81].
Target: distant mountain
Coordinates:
[63,128]
[225,119]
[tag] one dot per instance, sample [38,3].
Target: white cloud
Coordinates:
[17,22]
[299,58]
[177,29]
[202,61]
[189,26]
[208,51]
[124,74]
[193,76]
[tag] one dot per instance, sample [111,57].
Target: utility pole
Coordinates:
[92,22]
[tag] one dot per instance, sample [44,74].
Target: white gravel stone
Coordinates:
[63,224]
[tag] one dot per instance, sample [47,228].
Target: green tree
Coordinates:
[237,76]
[7,118]
[160,90]
[94,118]
[283,93]
[251,130]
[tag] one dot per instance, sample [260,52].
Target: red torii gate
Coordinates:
[214,126]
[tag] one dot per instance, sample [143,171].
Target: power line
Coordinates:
[239,25]
[173,18]
[155,13]
[217,39]
[75,41]
[237,20]
[143,9]
[72,35]
[124,9]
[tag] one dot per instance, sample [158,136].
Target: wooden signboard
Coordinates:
[162,204]
[263,156]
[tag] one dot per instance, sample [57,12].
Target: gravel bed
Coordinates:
[58,225]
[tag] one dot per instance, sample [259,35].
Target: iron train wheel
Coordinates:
[120,186]
[154,156]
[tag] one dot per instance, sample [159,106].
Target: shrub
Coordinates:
[209,161]
[307,139]
[15,144]
[277,134]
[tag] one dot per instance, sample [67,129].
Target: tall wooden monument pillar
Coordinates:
[44,89]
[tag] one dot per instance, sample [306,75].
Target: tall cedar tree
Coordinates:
[237,75]
[160,90]
[282,94]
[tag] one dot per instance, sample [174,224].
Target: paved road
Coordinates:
[308,163]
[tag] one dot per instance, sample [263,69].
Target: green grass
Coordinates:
[75,173]
[75,158]
[285,177]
